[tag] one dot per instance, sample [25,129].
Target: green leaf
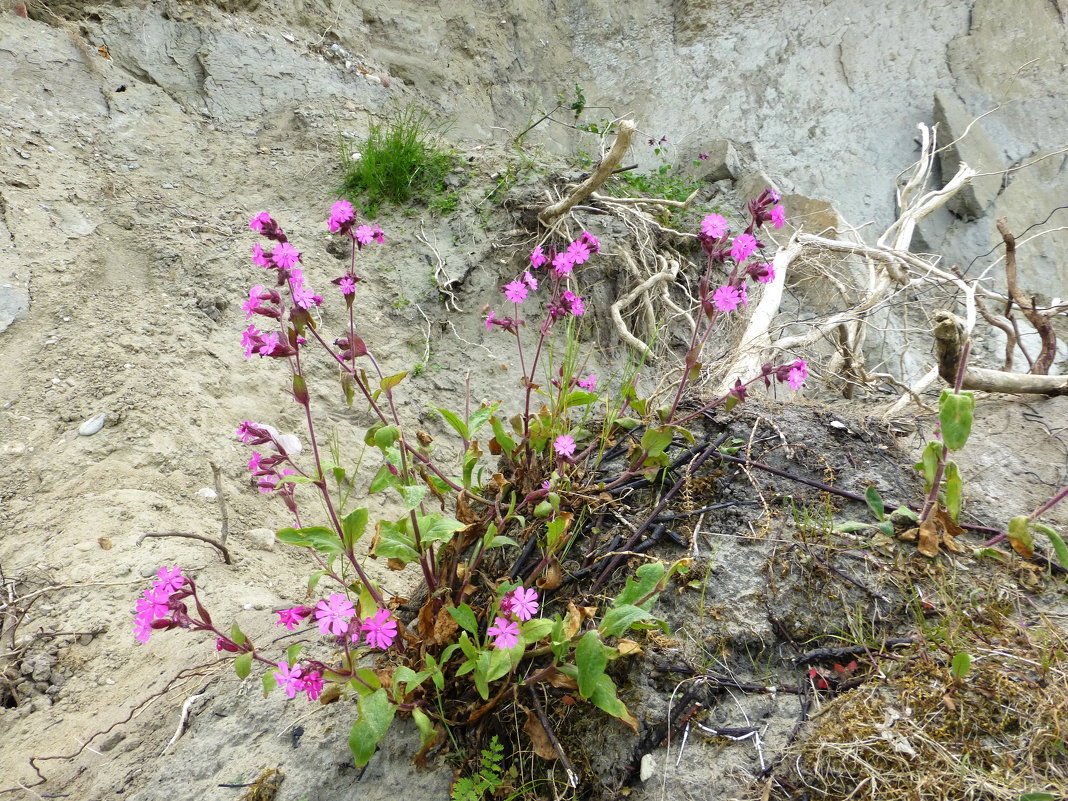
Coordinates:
[643,582]
[904,511]
[928,464]
[353,525]
[454,420]
[1056,541]
[243,664]
[590,658]
[955,412]
[554,530]
[313,579]
[292,652]
[536,629]
[500,662]
[954,489]
[850,526]
[394,542]
[886,527]
[269,682]
[391,381]
[620,618]
[1020,536]
[503,438]
[960,665]
[580,397]
[627,423]
[875,503]
[383,479]
[237,635]
[1038,797]
[386,436]
[317,537]
[656,440]
[604,698]
[434,528]
[480,417]
[376,714]
[427,734]
[412,495]
[464,616]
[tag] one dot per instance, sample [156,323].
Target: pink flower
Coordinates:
[142,628]
[778,216]
[714,226]
[288,679]
[333,615]
[269,483]
[379,629]
[378,235]
[313,685]
[537,258]
[250,340]
[347,285]
[579,251]
[523,603]
[727,298]
[249,306]
[530,280]
[563,263]
[489,320]
[702,156]
[589,382]
[768,275]
[340,213]
[170,580]
[245,431]
[578,306]
[744,295]
[744,246]
[258,222]
[291,618]
[302,296]
[258,256]
[505,632]
[516,291]
[797,375]
[564,445]
[591,241]
[285,255]
[269,345]
[254,462]
[364,234]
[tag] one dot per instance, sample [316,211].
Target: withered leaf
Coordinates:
[930,538]
[552,578]
[538,738]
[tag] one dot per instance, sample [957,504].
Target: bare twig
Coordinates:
[1036,318]
[222,548]
[224,527]
[608,164]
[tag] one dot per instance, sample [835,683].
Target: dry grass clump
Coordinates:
[998,732]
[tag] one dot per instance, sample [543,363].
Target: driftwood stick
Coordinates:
[224,528]
[551,213]
[222,548]
[949,343]
[1034,317]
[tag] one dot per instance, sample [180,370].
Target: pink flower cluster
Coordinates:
[564,445]
[334,615]
[155,607]
[518,605]
[269,470]
[293,680]
[342,220]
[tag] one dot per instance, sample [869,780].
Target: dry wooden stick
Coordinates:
[1036,318]
[551,213]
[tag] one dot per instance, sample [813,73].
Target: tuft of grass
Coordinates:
[400,162]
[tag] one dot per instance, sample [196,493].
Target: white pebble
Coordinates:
[207,493]
[92,425]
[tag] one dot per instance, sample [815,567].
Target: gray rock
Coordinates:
[722,163]
[975,149]
[112,740]
[92,425]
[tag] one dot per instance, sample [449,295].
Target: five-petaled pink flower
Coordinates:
[340,213]
[489,320]
[714,226]
[797,375]
[259,258]
[285,255]
[537,257]
[778,216]
[516,291]
[726,298]
[380,629]
[505,632]
[579,251]
[288,679]
[291,618]
[523,603]
[564,445]
[347,285]
[254,462]
[364,234]
[591,241]
[589,382]
[744,246]
[530,280]
[563,263]
[333,615]
[313,685]
[258,222]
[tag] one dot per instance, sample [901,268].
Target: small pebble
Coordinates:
[148,571]
[92,425]
[207,493]
[289,37]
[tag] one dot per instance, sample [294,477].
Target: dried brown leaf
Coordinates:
[539,738]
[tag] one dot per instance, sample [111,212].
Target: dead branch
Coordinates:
[222,548]
[668,273]
[1034,317]
[608,164]
[1011,337]
[949,342]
